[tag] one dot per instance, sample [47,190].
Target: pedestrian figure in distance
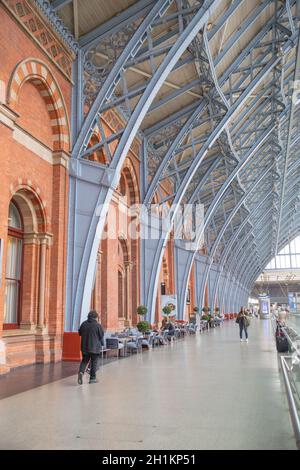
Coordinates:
[243,322]
[92,334]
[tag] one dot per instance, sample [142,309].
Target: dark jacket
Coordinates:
[243,320]
[171,329]
[92,334]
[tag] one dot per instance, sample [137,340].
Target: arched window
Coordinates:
[13,268]
[122,186]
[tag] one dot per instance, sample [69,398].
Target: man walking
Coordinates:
[92,334]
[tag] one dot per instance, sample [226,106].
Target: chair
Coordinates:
[133,332]
[177,333]
[148,341]
[192,328]
[168,336]
[136,344]
[114,344]
[202,325]
[165,335]
[219,320]
[158,339]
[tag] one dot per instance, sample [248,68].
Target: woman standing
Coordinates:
[243,321]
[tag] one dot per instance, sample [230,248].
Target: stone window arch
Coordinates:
[38,73]
[27,240]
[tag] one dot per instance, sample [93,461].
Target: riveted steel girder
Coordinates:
[185,178]
[81,266]
[83,246]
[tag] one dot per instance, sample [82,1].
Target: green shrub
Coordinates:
[143,326]
[142,310]
[167,309]
[205,317]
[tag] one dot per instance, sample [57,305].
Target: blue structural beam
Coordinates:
[240,144]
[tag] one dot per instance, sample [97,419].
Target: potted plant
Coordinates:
[196,309]
[143,326]
[142,310]
[206,315]
[167,309]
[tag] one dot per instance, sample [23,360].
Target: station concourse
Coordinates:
[149,173]
[205,392]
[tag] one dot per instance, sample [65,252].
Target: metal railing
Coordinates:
[290,365]
[292,396]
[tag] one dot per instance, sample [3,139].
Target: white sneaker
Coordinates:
[247,340]
[241,340]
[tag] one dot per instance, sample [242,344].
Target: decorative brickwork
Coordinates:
[40,75]
[35,99]
[38,201]
[37,27]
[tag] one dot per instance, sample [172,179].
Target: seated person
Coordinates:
[171,330]
[211,320]
[158,336]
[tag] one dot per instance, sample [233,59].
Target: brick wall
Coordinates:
[34,160]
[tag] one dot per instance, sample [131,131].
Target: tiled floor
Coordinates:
[206,392]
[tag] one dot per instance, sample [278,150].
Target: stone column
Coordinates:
[44,243]
[30,282]
[98,283]
[128,267]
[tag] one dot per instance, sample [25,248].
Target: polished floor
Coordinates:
[206,392]
[26,378]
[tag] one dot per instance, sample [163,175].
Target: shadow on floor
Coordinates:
[26,378]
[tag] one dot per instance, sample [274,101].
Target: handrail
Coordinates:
[290,340]
[291,400]
[288,377]
[286,328]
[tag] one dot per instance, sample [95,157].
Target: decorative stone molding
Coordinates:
[129,265]
[45,238]
[8,116]
[46,33]
[41,76]
[58,24]
[61,158]
[30,238]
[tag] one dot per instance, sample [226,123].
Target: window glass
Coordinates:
[273,264]
[14,218]
[13,278]
[287,261]
[293,247]
[297,243]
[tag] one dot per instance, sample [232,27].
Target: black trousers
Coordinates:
[86,357]
[243,327]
